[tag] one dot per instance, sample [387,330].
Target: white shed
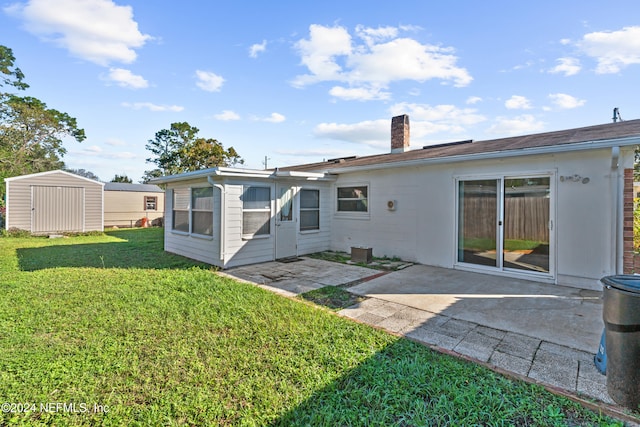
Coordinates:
[54,202]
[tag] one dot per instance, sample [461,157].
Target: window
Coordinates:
[150,203]
[181,210]
[202,211]
[256,211]
[353,199]
[309,210]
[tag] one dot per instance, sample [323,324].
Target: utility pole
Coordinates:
[265,162]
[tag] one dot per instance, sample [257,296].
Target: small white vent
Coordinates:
[391,205]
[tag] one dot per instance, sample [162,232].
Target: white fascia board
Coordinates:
[309,176]
[241,173]
[219,171]
[552,149]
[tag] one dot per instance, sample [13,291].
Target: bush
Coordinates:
[15,232]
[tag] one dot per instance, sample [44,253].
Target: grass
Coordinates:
[156,339]
[483,244]
[332,297]
[378,263]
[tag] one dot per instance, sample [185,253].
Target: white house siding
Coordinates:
[317,241]
[423,227]
[241,250]
[19,191]
[200,248]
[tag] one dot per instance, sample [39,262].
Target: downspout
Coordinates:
[222,213]
[619,209]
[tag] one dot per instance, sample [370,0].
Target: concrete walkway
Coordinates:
[548,333]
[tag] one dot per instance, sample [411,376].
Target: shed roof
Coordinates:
[123,186]
[57,171]
[599,136]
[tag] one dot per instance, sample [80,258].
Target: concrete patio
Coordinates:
[547,333]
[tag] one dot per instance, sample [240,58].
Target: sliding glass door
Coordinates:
[478,221]
[505,223]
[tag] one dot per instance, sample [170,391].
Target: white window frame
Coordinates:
[187,210]
[190,212]
[353,214]
[247,236]
[193,211]
[309,230]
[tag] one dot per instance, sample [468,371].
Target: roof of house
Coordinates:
[599,136]
[123,186]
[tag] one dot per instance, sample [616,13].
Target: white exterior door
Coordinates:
[506,223]
[286,243]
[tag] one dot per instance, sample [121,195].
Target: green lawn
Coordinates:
[154,339]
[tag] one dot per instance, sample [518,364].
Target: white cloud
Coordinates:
[97,151]
[613,50]
[568,66]
[566,102]
[152,107]
[425,120]
[115,142]
[318,54]
[227,115]
[209,81]
[473,100]
[99,31]
[359,93]
[125,78]
[517,102]
[375,59]
[273,118]
[437,118]
[374,133]
[519,125]
[257,48]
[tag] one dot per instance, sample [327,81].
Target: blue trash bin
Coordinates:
[600,359]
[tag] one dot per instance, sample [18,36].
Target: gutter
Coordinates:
[222,214]
[618,210]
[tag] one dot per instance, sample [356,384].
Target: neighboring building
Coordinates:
[125,205]
[54,202]
[554,207]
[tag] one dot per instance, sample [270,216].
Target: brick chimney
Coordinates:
[400,134]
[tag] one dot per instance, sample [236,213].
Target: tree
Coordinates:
[122,178]
[178,150]
[31,134]
[85,173]
[11,75]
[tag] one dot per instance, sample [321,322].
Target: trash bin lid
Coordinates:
[624,282]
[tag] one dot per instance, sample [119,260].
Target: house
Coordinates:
[125,205]
[54,202]
[554,207]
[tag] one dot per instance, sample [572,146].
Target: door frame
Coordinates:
[286,234]
[500,269]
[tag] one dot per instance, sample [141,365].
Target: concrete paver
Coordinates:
[548,333]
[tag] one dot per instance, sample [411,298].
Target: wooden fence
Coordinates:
[526,218]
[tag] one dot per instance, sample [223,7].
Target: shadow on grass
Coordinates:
[405,385]
[141,248]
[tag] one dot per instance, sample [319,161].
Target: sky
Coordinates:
[294,82]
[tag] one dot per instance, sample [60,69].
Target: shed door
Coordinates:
[56,209]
